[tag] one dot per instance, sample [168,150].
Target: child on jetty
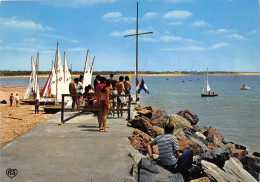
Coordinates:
[104,104]
[17,99]
[169,155]
[36,105]
[11,99]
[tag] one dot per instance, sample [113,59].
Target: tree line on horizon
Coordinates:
[27,73]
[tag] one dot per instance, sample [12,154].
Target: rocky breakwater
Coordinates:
[214,158]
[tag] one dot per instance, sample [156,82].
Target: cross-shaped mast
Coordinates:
[137,34]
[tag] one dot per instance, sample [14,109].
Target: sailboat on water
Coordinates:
[206,92]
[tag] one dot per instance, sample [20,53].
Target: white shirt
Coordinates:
[17,98]
[79,88]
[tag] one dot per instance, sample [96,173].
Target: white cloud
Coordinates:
[151,15]
[17,48]
[76,49]
[219,45]
[176,23]
[199,24]
[254,32]
[20,24]
[236,36]
[187,48]
[177,14]
[117,17]
[112,15]
[75,3]
[170,38]
[221,30]
[59,37]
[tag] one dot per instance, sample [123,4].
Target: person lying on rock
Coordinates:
[169,155]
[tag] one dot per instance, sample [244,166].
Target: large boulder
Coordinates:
[149,171]
[179,122]
[239,154]
[185,143]
[190,116]
[145,126]
[159,118]
[203,179]
[218,156]
[234,168]
[213,136]
[251,163]
[146,111]
[139,141]
[214,172]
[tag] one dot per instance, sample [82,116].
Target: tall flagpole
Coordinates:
[137,34]
[136,64]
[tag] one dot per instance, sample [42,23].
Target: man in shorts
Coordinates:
[169,155]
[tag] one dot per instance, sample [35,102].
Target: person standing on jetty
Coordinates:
[96,82]
[98,89]
[120,100]
[104,104]
[36,105]
[113,83]
[73,90]
[169,155]
[127,85]
[11,99]
[17,100]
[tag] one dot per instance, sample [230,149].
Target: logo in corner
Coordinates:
[11,172]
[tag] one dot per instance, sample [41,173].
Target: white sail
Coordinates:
[36,74]
[206,88]
[59,76]
[88,71]
[31,81]
[67,76]
[53,80]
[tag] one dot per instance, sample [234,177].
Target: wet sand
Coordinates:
[17,120]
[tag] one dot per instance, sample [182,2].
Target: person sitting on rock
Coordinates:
[169,155]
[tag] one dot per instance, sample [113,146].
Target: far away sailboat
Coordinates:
[206,92]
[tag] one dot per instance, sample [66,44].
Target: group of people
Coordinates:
[103,88]
[12,98]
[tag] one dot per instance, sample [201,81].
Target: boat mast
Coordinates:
[137,34]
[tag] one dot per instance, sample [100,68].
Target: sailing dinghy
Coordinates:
[206,92]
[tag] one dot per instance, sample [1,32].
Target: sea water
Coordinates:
[235,112]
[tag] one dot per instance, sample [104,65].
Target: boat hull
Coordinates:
[209,95]
[52,110]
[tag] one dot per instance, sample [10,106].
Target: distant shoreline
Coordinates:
[157,74]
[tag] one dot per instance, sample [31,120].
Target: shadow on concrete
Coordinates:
[89,126]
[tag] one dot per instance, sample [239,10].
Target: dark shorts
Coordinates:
[127,91]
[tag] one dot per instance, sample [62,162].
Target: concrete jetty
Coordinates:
[75,151]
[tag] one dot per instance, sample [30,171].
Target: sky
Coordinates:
[188,35]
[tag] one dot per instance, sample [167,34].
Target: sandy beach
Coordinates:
[170,74]
[17,120]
